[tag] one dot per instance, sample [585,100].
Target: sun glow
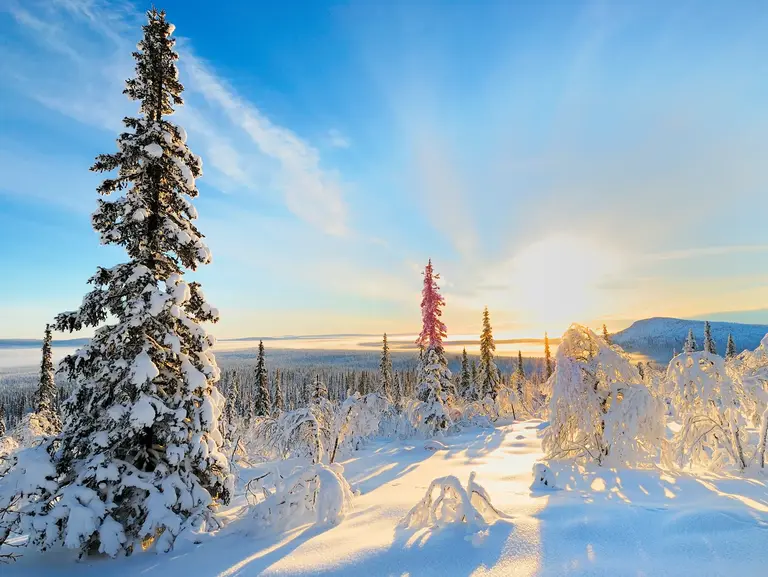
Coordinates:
[560,280]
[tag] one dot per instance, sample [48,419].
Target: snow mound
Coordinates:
[543,478]
[434,446]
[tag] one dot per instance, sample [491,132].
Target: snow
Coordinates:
[603,522]
[154,150]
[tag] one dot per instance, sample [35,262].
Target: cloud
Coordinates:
[337,139]
[689,253]
[81,59]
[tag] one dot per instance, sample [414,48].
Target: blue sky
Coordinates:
[558,161]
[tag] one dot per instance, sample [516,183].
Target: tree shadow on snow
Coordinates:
[620,521]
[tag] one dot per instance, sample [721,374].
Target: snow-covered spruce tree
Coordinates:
[709,342]
[489,375]
[138,459]
[519,376]
[46,401]
[599,410]
[2,420]
[465,380]
[278,399]
[547,357]
[730,349]
[319,390]
[385,371]
[689,345]
[606,336]
[434,377]
[262,403]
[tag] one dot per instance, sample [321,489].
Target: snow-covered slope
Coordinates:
[658,337]
[602,522]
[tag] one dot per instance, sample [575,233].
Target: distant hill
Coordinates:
[37,343]
[658,337]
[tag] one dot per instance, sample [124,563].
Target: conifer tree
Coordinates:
[547,356]
[278,402]
[2,420]
[385,370]
[262,403]
[46,396]
[690,342]
[606,336]
[229,423]
[709,342]
[489,374]
[465,380]
[730,349]
[138,459]
[431,340]
[520,375]
[435,383]
[319,390]
[641,370]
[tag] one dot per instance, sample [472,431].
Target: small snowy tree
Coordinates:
[606,336]
[46,405]
[519,376]
[465,379]
[278,402]
[319,390]
[385,371]
[690,343]
[547,357]
[2,420]
[489,382]
[730,349]
[262,403]
[138,459]
[709,343]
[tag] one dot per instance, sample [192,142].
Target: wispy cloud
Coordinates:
[337,139]
[689,253]
[82,58]
[311,193]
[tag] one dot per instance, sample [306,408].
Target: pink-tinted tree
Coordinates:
[433,329]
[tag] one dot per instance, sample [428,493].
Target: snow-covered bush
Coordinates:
[708,403]
[453,504]
[322,431]
[315,493]
[599,408]
[543,478]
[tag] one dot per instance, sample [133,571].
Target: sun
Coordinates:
[556,281]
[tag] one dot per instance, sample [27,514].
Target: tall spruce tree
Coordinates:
[433,387]
[262,403]
[385,371]
[690,342]
[2,420]
[138,460]
[46,396]
[547,356]
[465,380]
[709,342]
[489,382]
[730,349]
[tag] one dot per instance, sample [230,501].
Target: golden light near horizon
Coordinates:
[556,281]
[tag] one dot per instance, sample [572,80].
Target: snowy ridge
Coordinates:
[658,337]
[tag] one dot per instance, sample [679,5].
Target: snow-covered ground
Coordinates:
[601,522]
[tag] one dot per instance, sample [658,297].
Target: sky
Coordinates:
[559,162]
